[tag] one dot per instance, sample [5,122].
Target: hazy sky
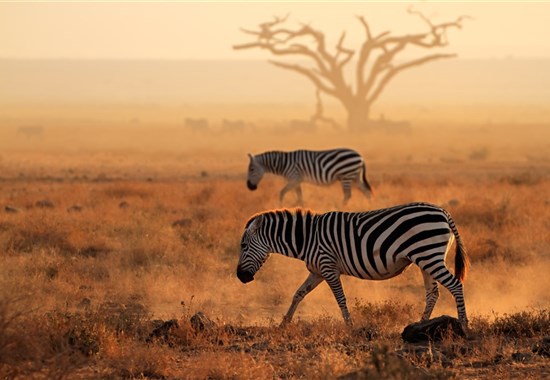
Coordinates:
[207,30]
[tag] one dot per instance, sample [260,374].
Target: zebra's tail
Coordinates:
[462,261]
[364,179]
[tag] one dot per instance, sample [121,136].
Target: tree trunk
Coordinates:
[358,116]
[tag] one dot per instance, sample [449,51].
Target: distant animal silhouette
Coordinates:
[30,130]
[196,125]
[233,126]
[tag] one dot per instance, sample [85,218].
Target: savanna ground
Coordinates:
[105,234]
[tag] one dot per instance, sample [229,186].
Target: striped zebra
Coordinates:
[319,167]
[373,245]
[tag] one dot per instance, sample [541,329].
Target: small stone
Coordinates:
[523,357]
[74,208]
[542,348]
[11,209]
[182,223]
[44,203]
[84,303]
[201,322]
[453,202]
[163,329]
[368,333]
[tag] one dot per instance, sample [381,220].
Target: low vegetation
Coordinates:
[107,281]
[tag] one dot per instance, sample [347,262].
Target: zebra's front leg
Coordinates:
[432,294]
[292,185]
[298,189]
[333,280]
[309,284]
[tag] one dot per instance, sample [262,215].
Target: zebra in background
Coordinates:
[319,167]
[373,245]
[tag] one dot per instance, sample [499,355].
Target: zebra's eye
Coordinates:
[243,245]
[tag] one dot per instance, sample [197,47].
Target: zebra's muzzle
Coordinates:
[251,186]
[244,276]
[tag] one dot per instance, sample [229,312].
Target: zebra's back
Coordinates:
[324,167]
[380,244]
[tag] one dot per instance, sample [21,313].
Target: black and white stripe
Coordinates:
[373,245]
[319,167]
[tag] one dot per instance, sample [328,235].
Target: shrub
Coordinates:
[523,324]
[25,240]
[386,317]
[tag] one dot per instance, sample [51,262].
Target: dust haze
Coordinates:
[484,155]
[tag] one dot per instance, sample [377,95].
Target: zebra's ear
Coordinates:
[251,157]
[256,224]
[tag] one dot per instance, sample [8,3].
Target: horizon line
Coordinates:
[509,57]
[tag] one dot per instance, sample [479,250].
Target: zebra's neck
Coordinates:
[274,162]
[289,231]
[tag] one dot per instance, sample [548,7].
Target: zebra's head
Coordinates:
[255,173]
[254,252]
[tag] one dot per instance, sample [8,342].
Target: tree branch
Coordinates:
[366,49]
[318,82]
[393,71]
[341,49]
[294,49]
[319,113]
[437,31]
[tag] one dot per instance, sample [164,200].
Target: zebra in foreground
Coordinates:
[319,167]
[373,245]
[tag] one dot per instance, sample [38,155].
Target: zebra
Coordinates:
[320,167]
[372,245]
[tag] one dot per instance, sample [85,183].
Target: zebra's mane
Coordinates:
[281,211]
[262,157]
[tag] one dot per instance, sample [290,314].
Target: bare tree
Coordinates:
[375,60]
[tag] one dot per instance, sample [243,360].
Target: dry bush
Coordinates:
[47,234]
[522,324]
[131,359]
[37,345]
[227,365]
[383,363]
[126,190]
[526,178]
[488,214]
[383,319]
[10,341]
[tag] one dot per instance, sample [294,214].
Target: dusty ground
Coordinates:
[145,226]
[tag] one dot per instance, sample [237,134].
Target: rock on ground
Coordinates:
[434,329]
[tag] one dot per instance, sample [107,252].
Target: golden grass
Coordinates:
[156,236]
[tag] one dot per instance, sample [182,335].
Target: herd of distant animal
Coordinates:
[372,245]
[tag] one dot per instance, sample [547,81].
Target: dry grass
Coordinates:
[156,236]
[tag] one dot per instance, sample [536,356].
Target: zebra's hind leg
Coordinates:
[432,294]
[439,272]
[367,191]
[346,186]
[309,284]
